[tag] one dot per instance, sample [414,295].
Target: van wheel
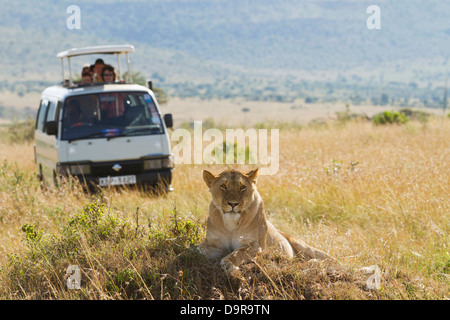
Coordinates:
[39,175]
[42,183]
[56,180]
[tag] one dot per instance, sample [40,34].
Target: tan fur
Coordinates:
[237,228]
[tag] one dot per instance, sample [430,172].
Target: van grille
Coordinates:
[105,169]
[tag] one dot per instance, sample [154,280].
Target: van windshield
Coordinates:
[109,115]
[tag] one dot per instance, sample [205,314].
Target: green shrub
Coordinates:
[390,117]
[238,152]
[178,235]
[116,258]
[32,234]
[96,224]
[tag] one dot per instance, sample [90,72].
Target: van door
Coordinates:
[46,152]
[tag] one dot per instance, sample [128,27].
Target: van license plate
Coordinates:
[114,181]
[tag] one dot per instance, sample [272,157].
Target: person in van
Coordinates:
[72,114]
[98,68]
[108,73]
[86,69]
[112,105]
[86,77]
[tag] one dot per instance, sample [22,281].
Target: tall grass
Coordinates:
[368,195]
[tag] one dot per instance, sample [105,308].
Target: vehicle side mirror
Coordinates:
[168,120]
[50,128]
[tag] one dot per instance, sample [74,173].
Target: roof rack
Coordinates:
[109,49]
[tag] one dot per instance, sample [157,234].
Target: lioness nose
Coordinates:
[233,203]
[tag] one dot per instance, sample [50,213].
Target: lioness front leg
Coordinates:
[230,263]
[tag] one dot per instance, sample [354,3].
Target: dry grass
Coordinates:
[368,195]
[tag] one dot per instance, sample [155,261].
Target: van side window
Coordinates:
[51,111]
[42,115]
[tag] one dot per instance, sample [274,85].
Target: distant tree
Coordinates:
[161,95]
[384,99]
[413,85]
[157,76]
[138,78]
[310,99]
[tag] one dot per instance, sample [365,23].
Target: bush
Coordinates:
[345,116]
[32,233]
[116,259]
[390,117]
[238,152]
[19,132]
[417,115]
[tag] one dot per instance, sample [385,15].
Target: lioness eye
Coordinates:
[223,187]
[243,188]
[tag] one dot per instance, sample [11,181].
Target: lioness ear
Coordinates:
[253,175]
[208,177]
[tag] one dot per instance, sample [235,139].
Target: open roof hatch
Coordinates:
[109,49]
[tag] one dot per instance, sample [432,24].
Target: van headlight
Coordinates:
[74,169]
[159,163]
[152,164]
[168,162]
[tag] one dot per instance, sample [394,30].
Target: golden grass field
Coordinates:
[366,194]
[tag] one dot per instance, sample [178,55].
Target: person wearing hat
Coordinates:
[86,74]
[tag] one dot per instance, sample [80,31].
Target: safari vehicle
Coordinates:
[104,134]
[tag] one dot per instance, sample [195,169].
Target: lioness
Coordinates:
[237,227]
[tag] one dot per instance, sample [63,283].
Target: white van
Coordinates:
[104,134]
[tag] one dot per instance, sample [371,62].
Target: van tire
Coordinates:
[39,174]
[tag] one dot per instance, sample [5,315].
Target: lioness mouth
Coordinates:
[233,212]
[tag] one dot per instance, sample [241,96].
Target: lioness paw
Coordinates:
[227,265]
[231,270]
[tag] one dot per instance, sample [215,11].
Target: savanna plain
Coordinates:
[369,195]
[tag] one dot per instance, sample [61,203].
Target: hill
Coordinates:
[257,49]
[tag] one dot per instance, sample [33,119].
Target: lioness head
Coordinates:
[232,190]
